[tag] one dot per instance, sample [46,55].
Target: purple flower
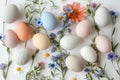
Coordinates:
[68,10]
[97,75]
[38,22]
[100,73]
[1,36]
[2,66]
[53,49]
[52,35]
[54,58]
[52,65]
[113,13]
[112,56]
[87,70]
[70,22]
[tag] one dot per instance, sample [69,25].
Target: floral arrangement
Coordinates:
[38,28]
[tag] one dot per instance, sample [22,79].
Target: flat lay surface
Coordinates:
[18,72]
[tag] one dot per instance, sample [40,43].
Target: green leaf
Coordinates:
[113,31]
[8,50]
[97,7]
[26,15]
[89,11]
[97,28]
[10,62]
[52,74]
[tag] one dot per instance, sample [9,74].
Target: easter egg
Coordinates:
[102,16]
[69,42]
[24,31]
[84,28]
[49,21]
[74,63]
[41,41]
[11,40]
[103,44]
[88,53]
[11,13]
[22,56]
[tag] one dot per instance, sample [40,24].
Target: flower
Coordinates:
[100,73]
[74,78]
[1,36]
[53,49]
[52,65]
[87,70]
[38,22]
[52,35]
[112,56]
[42,65]
[113,13]
[18,69]
[46,55]
[76,12]
[2,66]
[93,5]
[60,18]
[59,32]
[55,58]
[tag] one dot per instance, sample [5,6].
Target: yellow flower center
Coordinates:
[18,69]
[47,55]
[74,78]
[59,18]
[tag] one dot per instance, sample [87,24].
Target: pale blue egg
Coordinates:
[49,21]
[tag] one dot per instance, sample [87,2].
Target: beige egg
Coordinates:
[11,40]
[74,63]
[84,28]
[41,41]
[103,44]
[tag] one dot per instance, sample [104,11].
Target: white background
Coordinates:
[12,75]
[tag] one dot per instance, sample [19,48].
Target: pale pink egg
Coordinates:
[103,44]
[11,40]
[84,28]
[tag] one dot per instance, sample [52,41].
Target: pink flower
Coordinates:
[93,5]
[42,65]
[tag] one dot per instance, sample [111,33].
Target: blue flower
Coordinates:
[52,35]
[52,65]
[1,36]
[53,49]
[100,73]
[63,14]
[68,10]
[87,70]
[112,56]
[2,66]
[113,13]
[38,22]
[70,22]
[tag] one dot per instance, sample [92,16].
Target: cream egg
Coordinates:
[41,41]
[74,63]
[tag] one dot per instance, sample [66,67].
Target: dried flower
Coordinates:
[41,65]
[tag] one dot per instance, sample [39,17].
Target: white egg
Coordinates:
[22,56]
[69,42]
[88,53]
[11,13]
[102,16]
[74,63]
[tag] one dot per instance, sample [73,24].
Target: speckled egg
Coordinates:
[84,28]
[103,44]
[11,13]
[74,63]
[24,31]
[41,41]
[69,42]
[49,21]
[88,53]
[22,56]
[11,40]
[102,16]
